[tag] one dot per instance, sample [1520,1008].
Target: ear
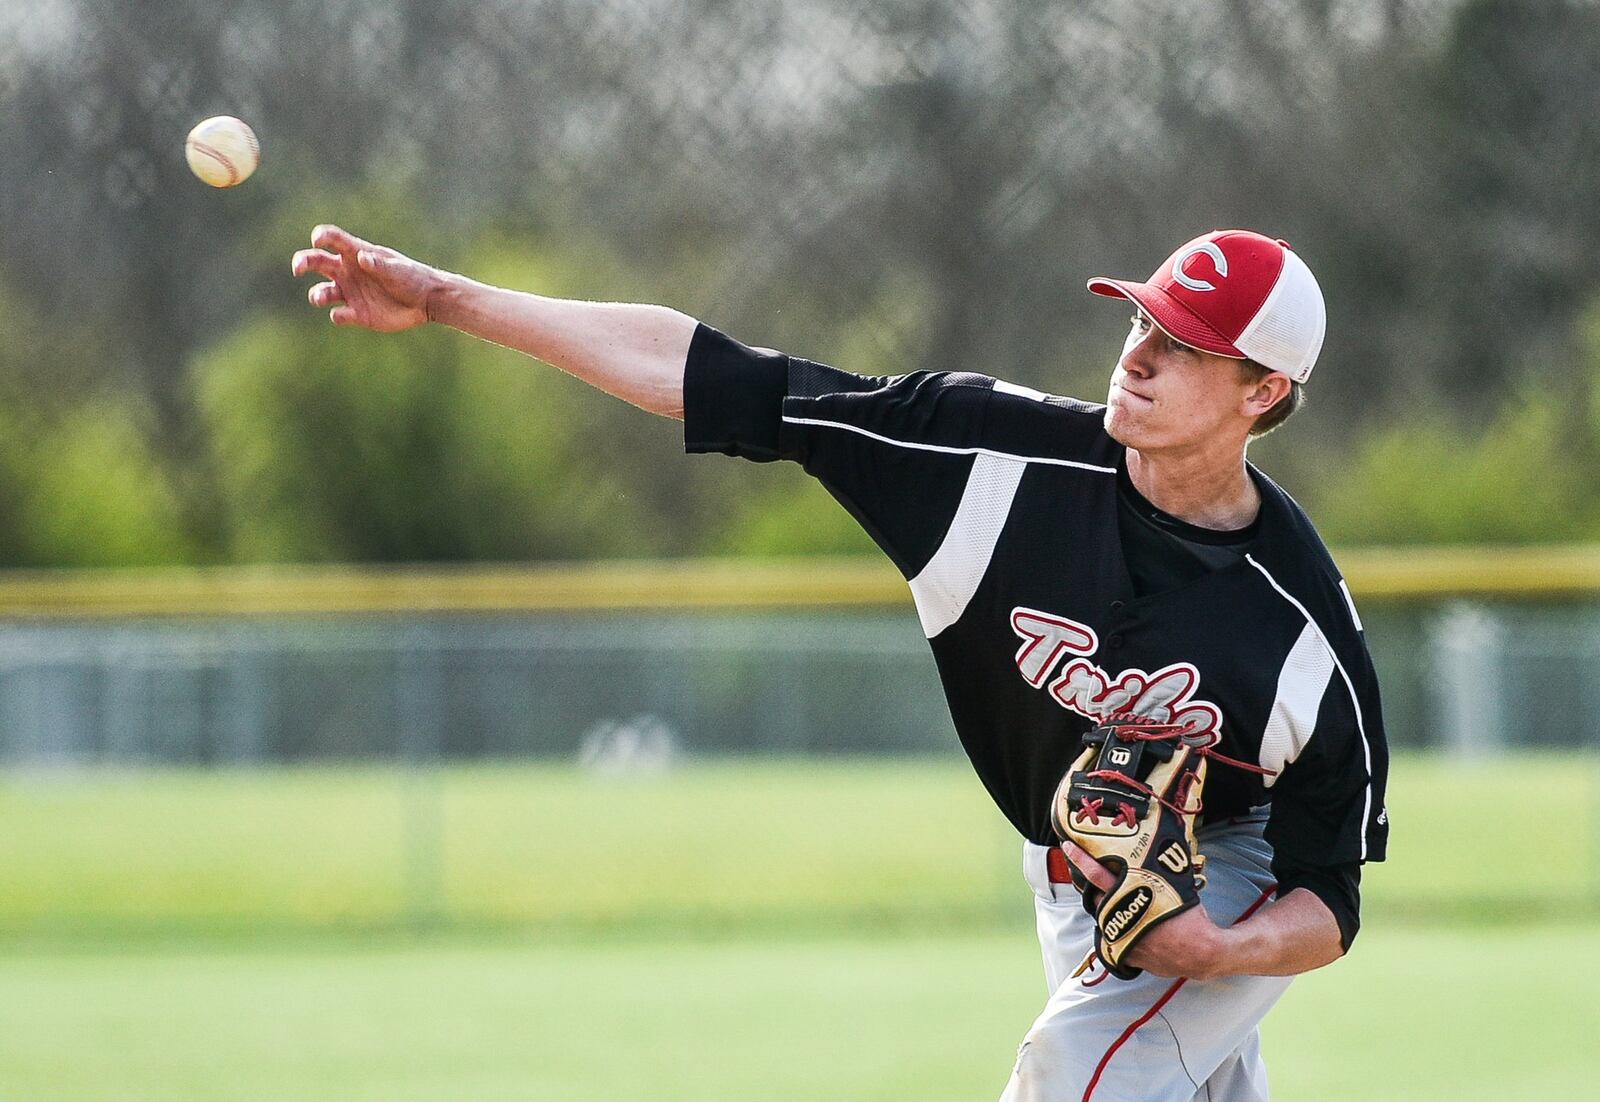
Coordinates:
[1271,390]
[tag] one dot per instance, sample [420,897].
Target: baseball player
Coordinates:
[1078,569]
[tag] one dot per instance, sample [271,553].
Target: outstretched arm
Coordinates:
[1284,938]
[635,352]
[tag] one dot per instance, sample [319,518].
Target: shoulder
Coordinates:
[1296,539]
[1048,428]
[952,408]
[809,379]
[1295,560]
[939,410]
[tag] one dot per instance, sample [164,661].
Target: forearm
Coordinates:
[635,352]
[1286,937]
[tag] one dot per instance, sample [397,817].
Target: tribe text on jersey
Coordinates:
[1165,696]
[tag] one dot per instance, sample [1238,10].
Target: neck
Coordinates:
[1209,491]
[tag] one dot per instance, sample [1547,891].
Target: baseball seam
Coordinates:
[222,158]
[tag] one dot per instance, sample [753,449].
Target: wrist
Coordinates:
[444,300]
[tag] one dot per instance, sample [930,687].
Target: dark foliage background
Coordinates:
[889,185]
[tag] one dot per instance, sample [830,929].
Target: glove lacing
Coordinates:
[1139,728]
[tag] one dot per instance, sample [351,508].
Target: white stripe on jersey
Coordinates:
[1301,685]
[943,448]
[1355,701]
[1351,603]
[1003,387]
[947,583]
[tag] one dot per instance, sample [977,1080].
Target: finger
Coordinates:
[1087,864]
[342,315]
[315,260]
[340,241]
[325,294]
[1093,871]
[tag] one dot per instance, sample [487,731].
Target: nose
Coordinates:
[1138,356]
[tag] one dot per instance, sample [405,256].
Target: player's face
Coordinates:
[1165,394]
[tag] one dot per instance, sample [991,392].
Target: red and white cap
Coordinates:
[1237,294]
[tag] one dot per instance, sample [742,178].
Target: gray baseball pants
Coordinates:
[1149,1039]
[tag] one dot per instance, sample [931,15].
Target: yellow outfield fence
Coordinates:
[663,585]
[1375,574]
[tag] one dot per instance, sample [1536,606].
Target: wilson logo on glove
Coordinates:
[1175,857]
[1126,915]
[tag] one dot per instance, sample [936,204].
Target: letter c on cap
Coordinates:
[1210,249]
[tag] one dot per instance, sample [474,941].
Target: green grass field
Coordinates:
[842,845]
[1416,1014]
[535,933]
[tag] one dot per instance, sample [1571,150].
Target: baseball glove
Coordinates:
[1130,801]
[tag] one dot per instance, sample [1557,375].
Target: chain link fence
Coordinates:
[419,689]
[1469,678]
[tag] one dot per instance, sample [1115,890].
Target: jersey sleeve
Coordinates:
[893,450]
[732,397]
[1327,802]
[1338,886]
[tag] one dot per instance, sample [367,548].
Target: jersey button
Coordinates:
[1115,642]
[1116,606]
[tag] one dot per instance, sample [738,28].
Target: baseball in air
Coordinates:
[222,151]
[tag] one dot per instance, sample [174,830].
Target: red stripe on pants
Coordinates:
[1166,997]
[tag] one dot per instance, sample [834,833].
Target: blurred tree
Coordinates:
[789,514]
[1524,474]
[891,185]
[1517,97]
[79,485]
[92,494]
[1433,480]
[336,446]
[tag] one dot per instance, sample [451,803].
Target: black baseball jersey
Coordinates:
[1000,507]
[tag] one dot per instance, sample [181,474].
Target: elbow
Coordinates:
[1321,948]
[1329,954]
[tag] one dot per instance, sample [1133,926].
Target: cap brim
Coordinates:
[1175,319]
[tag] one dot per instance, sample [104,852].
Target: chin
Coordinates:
[1117,427]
